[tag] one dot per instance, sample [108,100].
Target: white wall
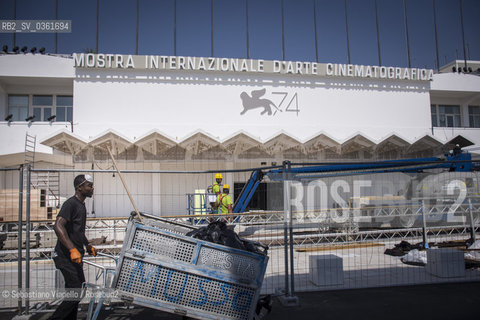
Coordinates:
[134,102]
[456,82]
[178,105]
[3,102]
[12,137]
[36,65]
[457,89]
[31,74]
[446,134]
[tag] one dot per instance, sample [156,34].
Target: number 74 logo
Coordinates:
[290,104]
[255,100]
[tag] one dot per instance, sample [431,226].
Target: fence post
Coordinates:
[27,242]
[115,232]
[424,226]
[288,299]
[472,224]
[286,202]
[19,237]
[290,222]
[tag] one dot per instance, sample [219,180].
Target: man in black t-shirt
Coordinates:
[69,251]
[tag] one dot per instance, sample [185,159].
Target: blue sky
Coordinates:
[117,29]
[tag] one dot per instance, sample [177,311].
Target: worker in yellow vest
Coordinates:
[216,185]
[215,189]
[224,201]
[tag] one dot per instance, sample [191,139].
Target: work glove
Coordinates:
[75,255]
[91,250]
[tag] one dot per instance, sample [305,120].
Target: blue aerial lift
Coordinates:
[456,161]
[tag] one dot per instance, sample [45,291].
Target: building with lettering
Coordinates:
[194,113]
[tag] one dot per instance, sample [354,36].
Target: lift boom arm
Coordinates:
[452,162]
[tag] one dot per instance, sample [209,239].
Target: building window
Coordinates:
[446,116]
[64,109]
[42,107]
[433,109]
[474,116]
[18,107]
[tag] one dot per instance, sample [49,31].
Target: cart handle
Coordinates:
[146,215]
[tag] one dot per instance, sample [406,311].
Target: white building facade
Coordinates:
[159,112]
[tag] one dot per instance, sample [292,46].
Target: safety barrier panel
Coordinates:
[366,230]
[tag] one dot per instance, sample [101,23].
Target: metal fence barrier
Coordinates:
[330,233]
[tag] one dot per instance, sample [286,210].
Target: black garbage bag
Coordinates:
[200,233]
[403,248]
[218,232]
[251,246]
[215,231]
[230,239]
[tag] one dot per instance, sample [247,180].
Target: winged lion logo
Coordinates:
[254,101]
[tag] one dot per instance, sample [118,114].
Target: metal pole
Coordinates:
[436,33]
[315,28]
[283,31]
[378,35]
[472,224]
[114,232]
[463,36]
[346,28]
[27,242]
[20,230]
[424,227]
[56,18]
[175,28]
[14,18]
[286,202]
[93,196]
[292,264]
[406,31]
[248,39]
[96,38]
[138,21]
[125,185]
[211,27]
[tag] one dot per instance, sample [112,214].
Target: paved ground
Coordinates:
[439,301]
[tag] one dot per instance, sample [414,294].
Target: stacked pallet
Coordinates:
[39,209]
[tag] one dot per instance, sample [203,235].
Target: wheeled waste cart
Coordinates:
[161,268]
